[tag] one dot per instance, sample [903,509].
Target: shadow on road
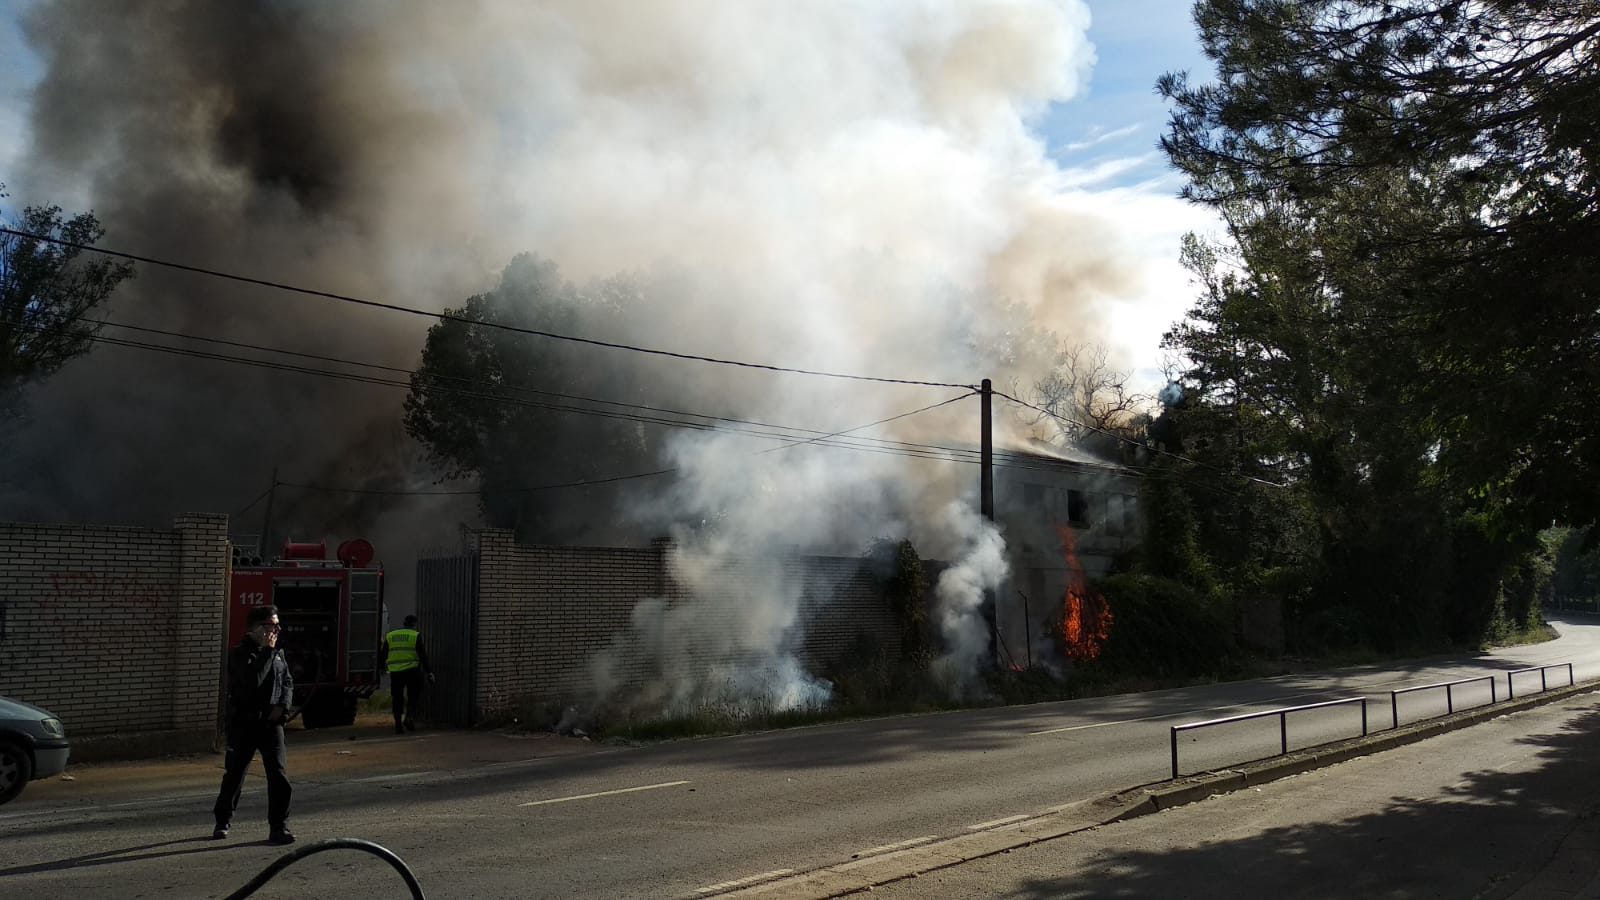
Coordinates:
[1383,854]
[132,854]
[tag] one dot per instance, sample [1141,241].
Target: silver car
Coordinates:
[32,745]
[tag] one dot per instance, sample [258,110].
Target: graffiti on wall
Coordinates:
[121,591]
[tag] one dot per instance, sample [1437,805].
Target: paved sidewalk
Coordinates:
[367,749]
[1574,870]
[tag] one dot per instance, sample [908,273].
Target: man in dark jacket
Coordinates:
[260,689]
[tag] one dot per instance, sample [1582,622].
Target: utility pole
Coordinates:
[986,506]
[986,442]
[266,521]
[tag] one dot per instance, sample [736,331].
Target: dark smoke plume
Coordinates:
[843,187]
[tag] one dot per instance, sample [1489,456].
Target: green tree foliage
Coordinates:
[1164,627]
[507,407]
[1575,566]
[1453,141]
[46,290]
[906,590]
[1399,322]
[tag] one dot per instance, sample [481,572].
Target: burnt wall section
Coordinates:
[118,631]
[546,614]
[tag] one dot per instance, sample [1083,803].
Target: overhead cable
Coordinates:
[754,429]
[519,389]
[449,317]
[587,482]
[478,390]
[1020,459]
[1178,456]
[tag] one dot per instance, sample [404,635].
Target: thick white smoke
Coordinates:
[979,568]
[838,186]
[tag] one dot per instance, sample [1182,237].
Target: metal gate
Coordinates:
[447,616]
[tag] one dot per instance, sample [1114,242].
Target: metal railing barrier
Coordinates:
[1283,723]
[1544,684]
[1449,699]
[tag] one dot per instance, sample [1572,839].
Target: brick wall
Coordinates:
[116,630]
[545,612]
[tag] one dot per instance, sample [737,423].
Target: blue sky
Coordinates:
[1108,137]
[1115,124]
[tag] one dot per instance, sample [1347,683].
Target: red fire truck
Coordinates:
[333,620]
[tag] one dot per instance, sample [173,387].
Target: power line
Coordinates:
[448,317]
[1017,460]
[496,394]
[1023,462]
[1127,440]
[248,506]
[875,424]
[775,431]
[247,346]
[1003,459]
[756,429]
[587,482]
[410,373]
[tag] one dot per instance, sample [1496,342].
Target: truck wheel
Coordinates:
[16,770]
[315,713]
[329,710]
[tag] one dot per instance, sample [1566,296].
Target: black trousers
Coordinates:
[405,689]
[245,740]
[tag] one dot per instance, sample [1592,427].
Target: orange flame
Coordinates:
[1086,620]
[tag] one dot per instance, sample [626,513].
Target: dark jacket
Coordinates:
[258,680]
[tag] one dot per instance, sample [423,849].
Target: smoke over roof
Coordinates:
[848,187]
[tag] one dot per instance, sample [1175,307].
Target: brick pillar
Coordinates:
[201,632]
[496,616]
[666,584]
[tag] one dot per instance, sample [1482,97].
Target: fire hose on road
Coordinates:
[294,856]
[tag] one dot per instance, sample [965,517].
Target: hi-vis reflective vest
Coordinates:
[402,650]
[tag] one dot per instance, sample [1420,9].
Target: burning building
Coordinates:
[1065,521]
[843,188]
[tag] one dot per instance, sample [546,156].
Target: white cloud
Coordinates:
[1106,170]
[1152,222]
[1099,135]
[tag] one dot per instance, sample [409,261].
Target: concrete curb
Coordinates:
[864,874]
[142,745]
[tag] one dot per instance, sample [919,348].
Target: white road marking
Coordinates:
[1100,724]
[898,845]
[394,777]
[1065,806]
[764,876]
[647,787]
[1375,689]
[1006,821]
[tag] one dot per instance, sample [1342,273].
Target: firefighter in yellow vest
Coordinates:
[406,661]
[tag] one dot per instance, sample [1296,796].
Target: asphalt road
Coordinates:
[695,818]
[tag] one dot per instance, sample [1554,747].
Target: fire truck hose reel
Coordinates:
[294,856]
